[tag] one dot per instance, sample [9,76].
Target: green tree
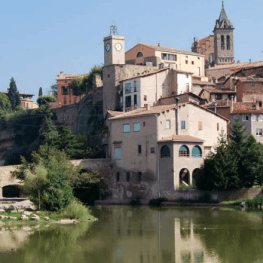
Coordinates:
[54,89]
[50,178]
[42,100]
[40,93]
[13,94]
[220,168]
[237,163]
[5,104]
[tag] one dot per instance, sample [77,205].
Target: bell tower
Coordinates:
[224,39]
[114,48]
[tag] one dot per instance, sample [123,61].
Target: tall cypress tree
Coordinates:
[40,93]
[13,94]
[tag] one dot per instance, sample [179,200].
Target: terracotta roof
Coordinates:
[199,82]
[188,93]
[219,103]
[246,107]
[173,50]
[115,113]
[213,90]
[148,73]
[180,138]
[158,109]
[250,79]
[237,65]
[203,40]
[70,76]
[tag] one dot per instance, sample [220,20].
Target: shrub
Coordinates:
[135,201]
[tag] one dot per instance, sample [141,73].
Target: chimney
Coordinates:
[215,108]
[177,115]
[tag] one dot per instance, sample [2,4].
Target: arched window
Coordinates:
[139,54]
[222,42]
[165,152]
[184,151]
[197,152]
[64,90]
[184,177]
[228,42]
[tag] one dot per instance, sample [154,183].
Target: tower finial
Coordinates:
[113,28]
[223,4]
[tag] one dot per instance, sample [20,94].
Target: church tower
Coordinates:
[223,39]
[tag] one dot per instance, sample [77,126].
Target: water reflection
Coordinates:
[125,234]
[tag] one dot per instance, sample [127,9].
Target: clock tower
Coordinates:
[114,48]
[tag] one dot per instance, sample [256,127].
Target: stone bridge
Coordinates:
[7,177]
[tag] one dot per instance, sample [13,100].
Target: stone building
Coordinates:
[218,49]
[158,148]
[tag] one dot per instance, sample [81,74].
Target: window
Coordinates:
[135,99]
[152,149]
[260,103]
[245,118]
[218,126]
[186,62]
[126,128]
[64,91]
[196,152]
[136,127]
[218,96]
[139,176]
[117,177]
[183,125]
[193,62]
[222,42]
[252,84]
[168,124]
[200,126]
[108,75]
[145,97]
[228,42]
[128,177]
[135,86]
[259,132]
[164,56]
[139,149]
[198,71]
[128,87]
[172,57]
[165,152]
[183,151]
[143,124]
[254,118]
[117,153]
[128,101]
[260,117]
[139,54]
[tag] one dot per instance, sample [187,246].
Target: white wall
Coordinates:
[182,81]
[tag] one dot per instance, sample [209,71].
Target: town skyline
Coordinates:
[47,38]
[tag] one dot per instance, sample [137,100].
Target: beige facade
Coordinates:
[151,86]
[161,56]
[154,151]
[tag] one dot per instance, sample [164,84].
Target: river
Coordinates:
[141,234]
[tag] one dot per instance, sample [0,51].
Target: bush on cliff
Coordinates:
[49,179]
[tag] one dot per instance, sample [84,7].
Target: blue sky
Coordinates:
[41,38]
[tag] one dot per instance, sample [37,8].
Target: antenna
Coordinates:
[113,29]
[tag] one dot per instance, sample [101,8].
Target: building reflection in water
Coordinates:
[188,246]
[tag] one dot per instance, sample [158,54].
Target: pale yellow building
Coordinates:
[145,54]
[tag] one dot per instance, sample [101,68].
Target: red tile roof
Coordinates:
[213,90]
[158,109]
[199,82]
[180,138]
[237,65]
[246,107]
[219,103]
[250,79]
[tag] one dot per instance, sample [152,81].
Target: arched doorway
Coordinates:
[184,177]
[11,191]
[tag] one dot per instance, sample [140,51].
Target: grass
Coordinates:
[250,202]
[76,210]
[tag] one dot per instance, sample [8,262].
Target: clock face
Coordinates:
[118,46]
[107,47]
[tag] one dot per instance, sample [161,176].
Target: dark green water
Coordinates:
[131,235]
